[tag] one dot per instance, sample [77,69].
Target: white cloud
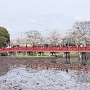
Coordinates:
[78,18]
[33,21]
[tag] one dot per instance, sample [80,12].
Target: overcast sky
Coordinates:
[19,16]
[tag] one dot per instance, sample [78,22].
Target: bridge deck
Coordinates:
[48,49]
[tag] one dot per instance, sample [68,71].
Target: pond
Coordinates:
[27,78]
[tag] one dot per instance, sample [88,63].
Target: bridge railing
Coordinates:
[69,48]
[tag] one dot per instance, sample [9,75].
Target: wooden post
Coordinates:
[83,58]
[67,56]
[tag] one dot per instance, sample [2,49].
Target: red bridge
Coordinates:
[48,49]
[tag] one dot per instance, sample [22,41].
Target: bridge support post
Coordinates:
[67,56]
[83,58]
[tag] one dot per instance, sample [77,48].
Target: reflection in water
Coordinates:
[44,79]
[4,68]
[67,70]
[81,75]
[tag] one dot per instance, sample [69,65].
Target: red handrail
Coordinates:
[51,49]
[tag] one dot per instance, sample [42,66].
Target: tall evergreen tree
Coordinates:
[4,37]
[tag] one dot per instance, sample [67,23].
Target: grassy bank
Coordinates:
[25,56]
[58,55]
